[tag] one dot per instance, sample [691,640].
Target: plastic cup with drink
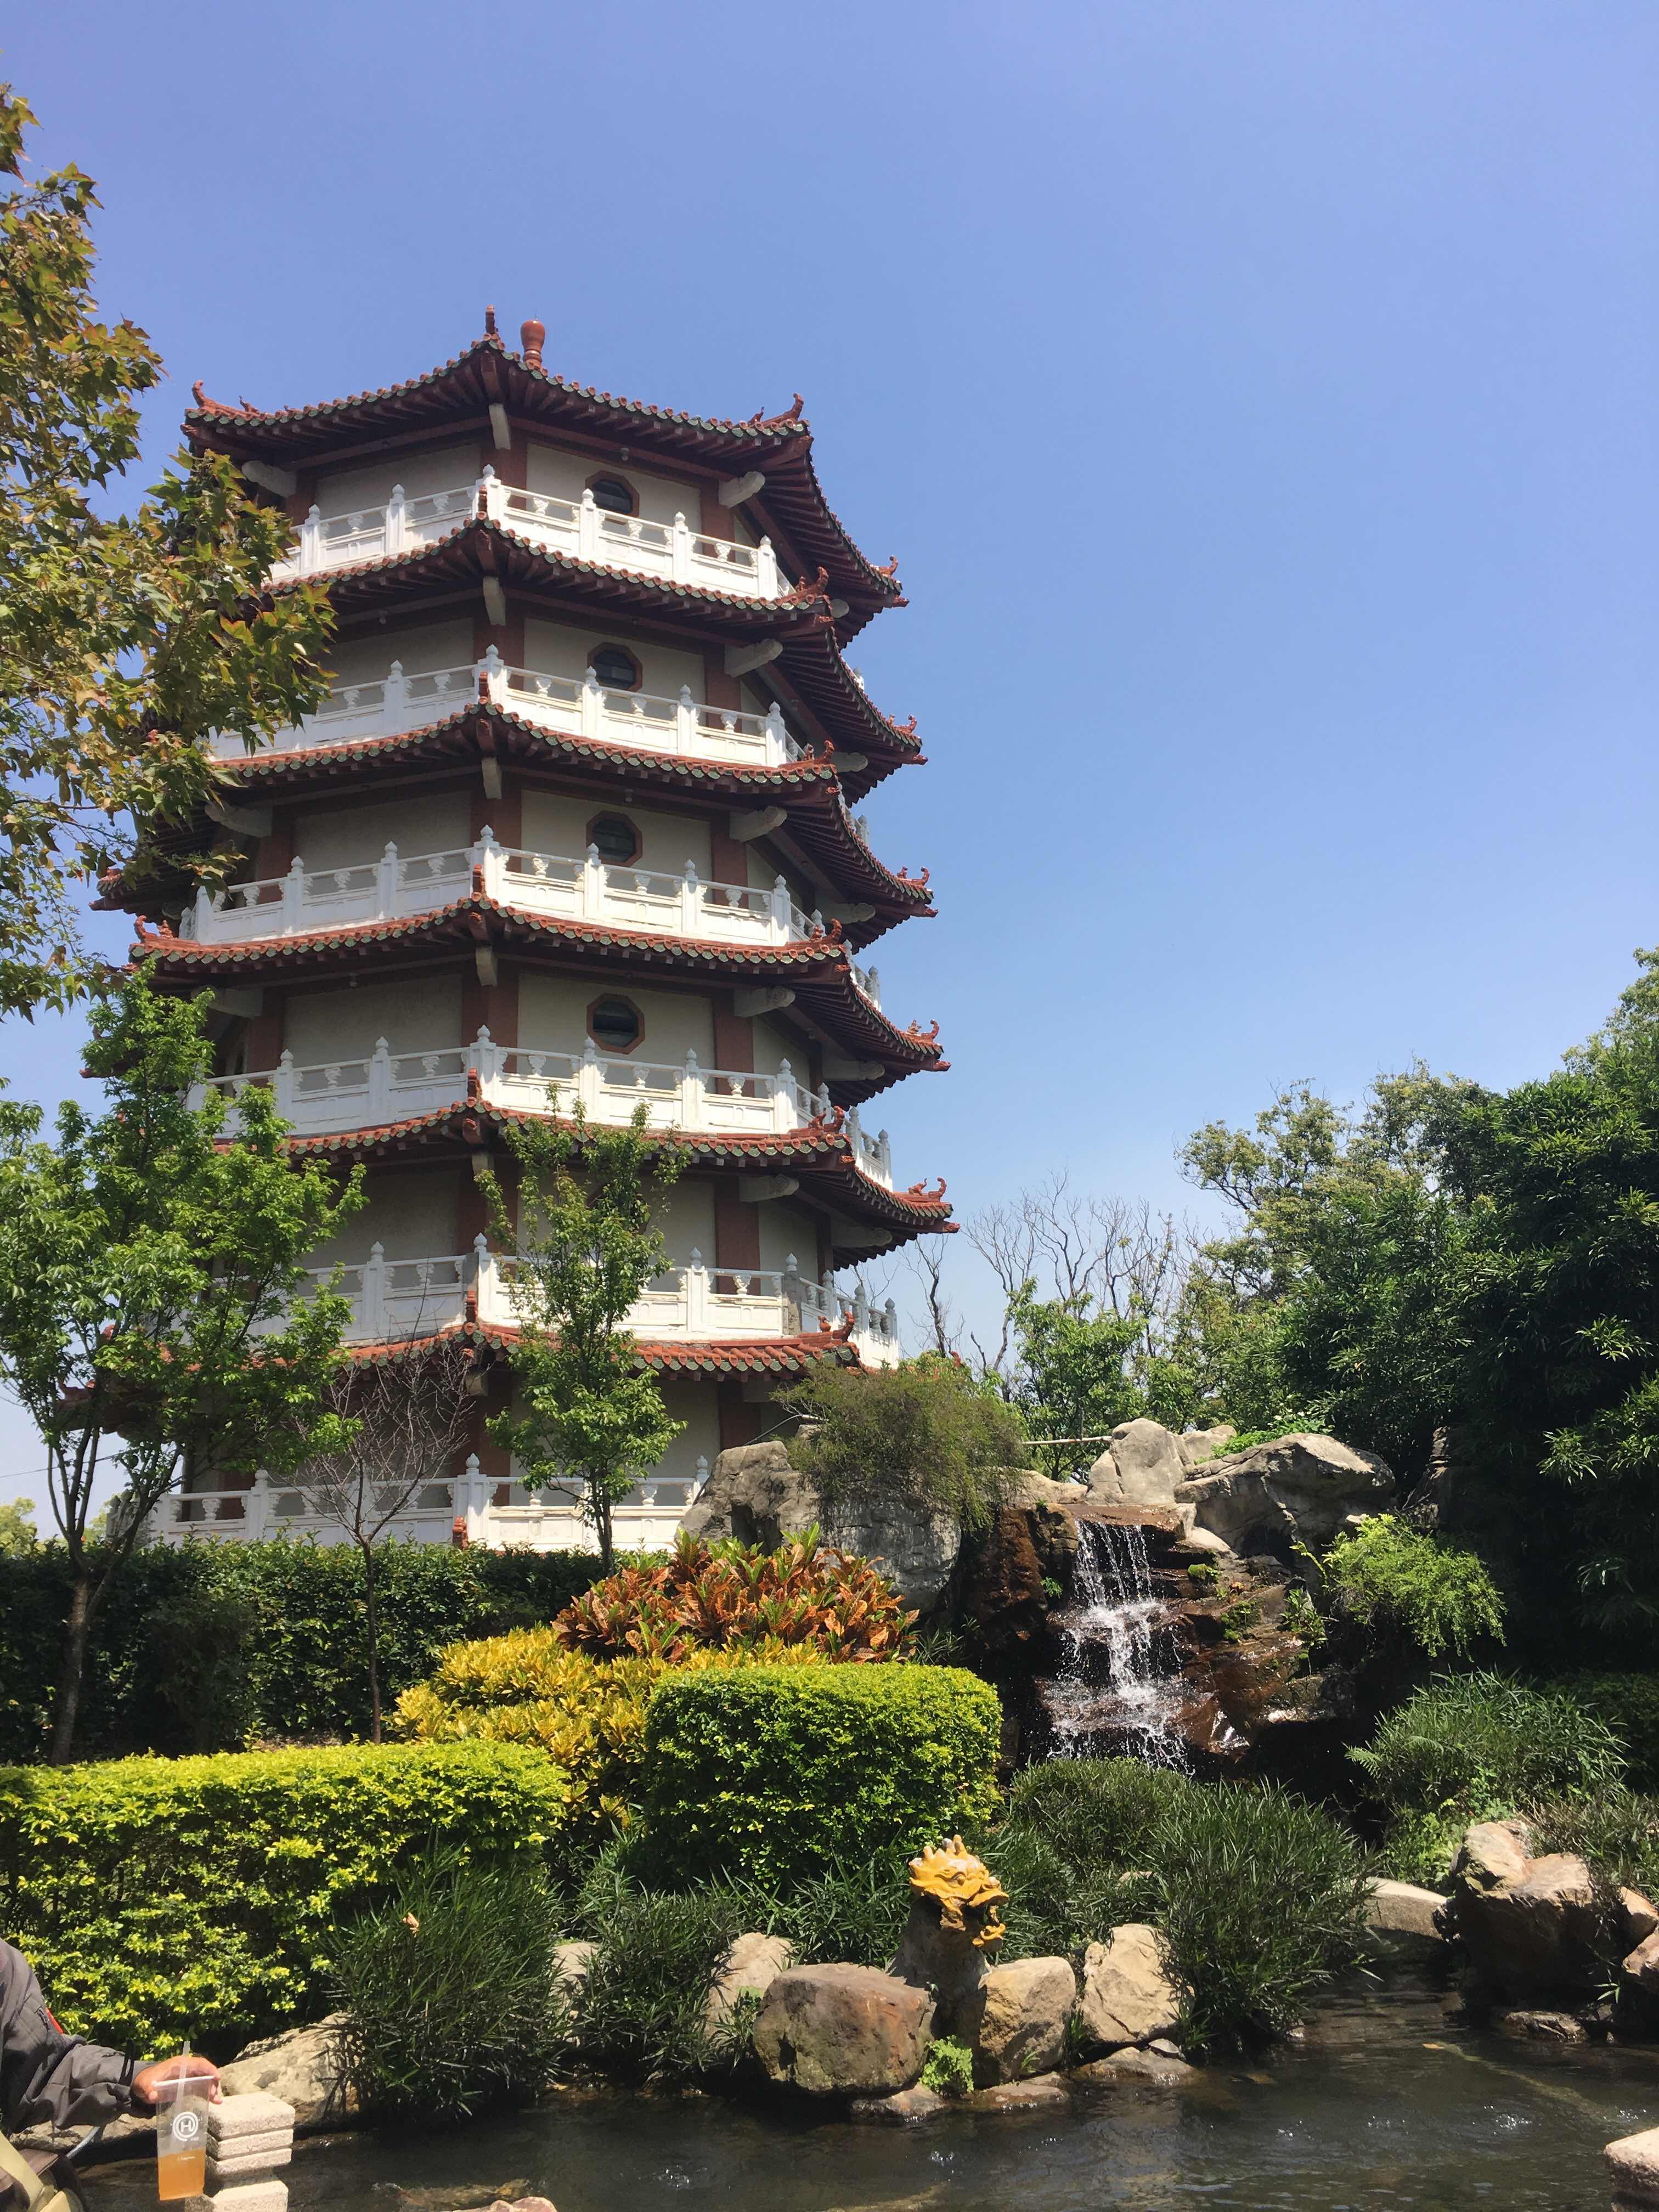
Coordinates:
[181,2111]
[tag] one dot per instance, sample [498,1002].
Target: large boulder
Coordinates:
[1127,1996]
[1297,1489]
[1016,2022]
[749,1966]
[303,2067]
[842,2030]
[917,1552]
[755,1495]
[1531,1925]
[1403,1919]
[1198,1445]
[1141,1466]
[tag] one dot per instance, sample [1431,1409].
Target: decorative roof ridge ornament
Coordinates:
[761,421]
[926,1037]
[489,328]
[920,881]
[206,406]
[805,592]
[532,337]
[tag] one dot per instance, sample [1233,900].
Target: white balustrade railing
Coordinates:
[647,1518]
[392,1300]
[586,890]
[578,527]
[579,706]
[384,1086]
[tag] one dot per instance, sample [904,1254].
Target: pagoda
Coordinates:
[575,822]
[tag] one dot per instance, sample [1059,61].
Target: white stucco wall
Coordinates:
[566,648]
[553,1018]
[368,657]
[562,474]
[557,822]
[320,1026]
[442,468]
[435,821]
[412,1213]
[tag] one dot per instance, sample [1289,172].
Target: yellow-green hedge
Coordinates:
[165,1898]
[773,1772]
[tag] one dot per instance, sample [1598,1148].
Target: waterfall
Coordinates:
[1119,1687]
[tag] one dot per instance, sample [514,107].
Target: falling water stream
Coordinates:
[1119,1687]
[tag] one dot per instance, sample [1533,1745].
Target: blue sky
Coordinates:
[1259,398]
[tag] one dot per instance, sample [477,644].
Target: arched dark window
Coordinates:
[617,668]
[618,839]
[614,494]
[614,1025]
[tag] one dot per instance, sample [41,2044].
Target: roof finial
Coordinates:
[531,337]
[489,322]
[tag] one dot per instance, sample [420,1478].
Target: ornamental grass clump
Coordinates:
[1260,1900]
[732,1596]
[449,1995]
[1477,1748]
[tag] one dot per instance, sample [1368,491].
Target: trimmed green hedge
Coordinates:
[209,1647]
[774,1773]
[161,1898]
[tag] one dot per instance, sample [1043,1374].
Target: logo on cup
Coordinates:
[187,2126]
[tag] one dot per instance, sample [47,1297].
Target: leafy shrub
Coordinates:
[1104,1811]
[1477,1746]
[1303,1618]
[448,1992]
[948,2069]
[162,1898]
[771,1772]
[854,1910]
[1261,1899]
[1442,1598]
[1629,1705]
[207,1647]
[922,1432]
[730,1596]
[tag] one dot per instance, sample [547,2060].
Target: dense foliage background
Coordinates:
[211,1646]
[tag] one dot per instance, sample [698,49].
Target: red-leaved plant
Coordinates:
[730,1596]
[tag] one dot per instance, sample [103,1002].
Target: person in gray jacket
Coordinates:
[51,2078]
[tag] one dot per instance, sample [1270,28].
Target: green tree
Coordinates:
[149,1271]
[588,1413]
[927,1431]
[17,1531]
[1558,1307]
[1328,1306]
[1072,1379]
[125,641]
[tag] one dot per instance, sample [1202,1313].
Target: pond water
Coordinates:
[1382,2107]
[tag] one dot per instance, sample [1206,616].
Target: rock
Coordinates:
[1633,2170]
[1040,2093]
[842,2030]
[1528,1924]
[451,2196]
[572,1964]
[1127,1997]
[1164,2048]
[917,1552]
[1405,1916]
[1640,1916]
[1207,1541]
[749,1966]
[1016,2022]
[1298,1488]
[1197,1445]
[1132,2069]
[1639,1981]
[1141,1466]
[302,2068]
[905,2110]
[755,1495]
[1540,2027]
